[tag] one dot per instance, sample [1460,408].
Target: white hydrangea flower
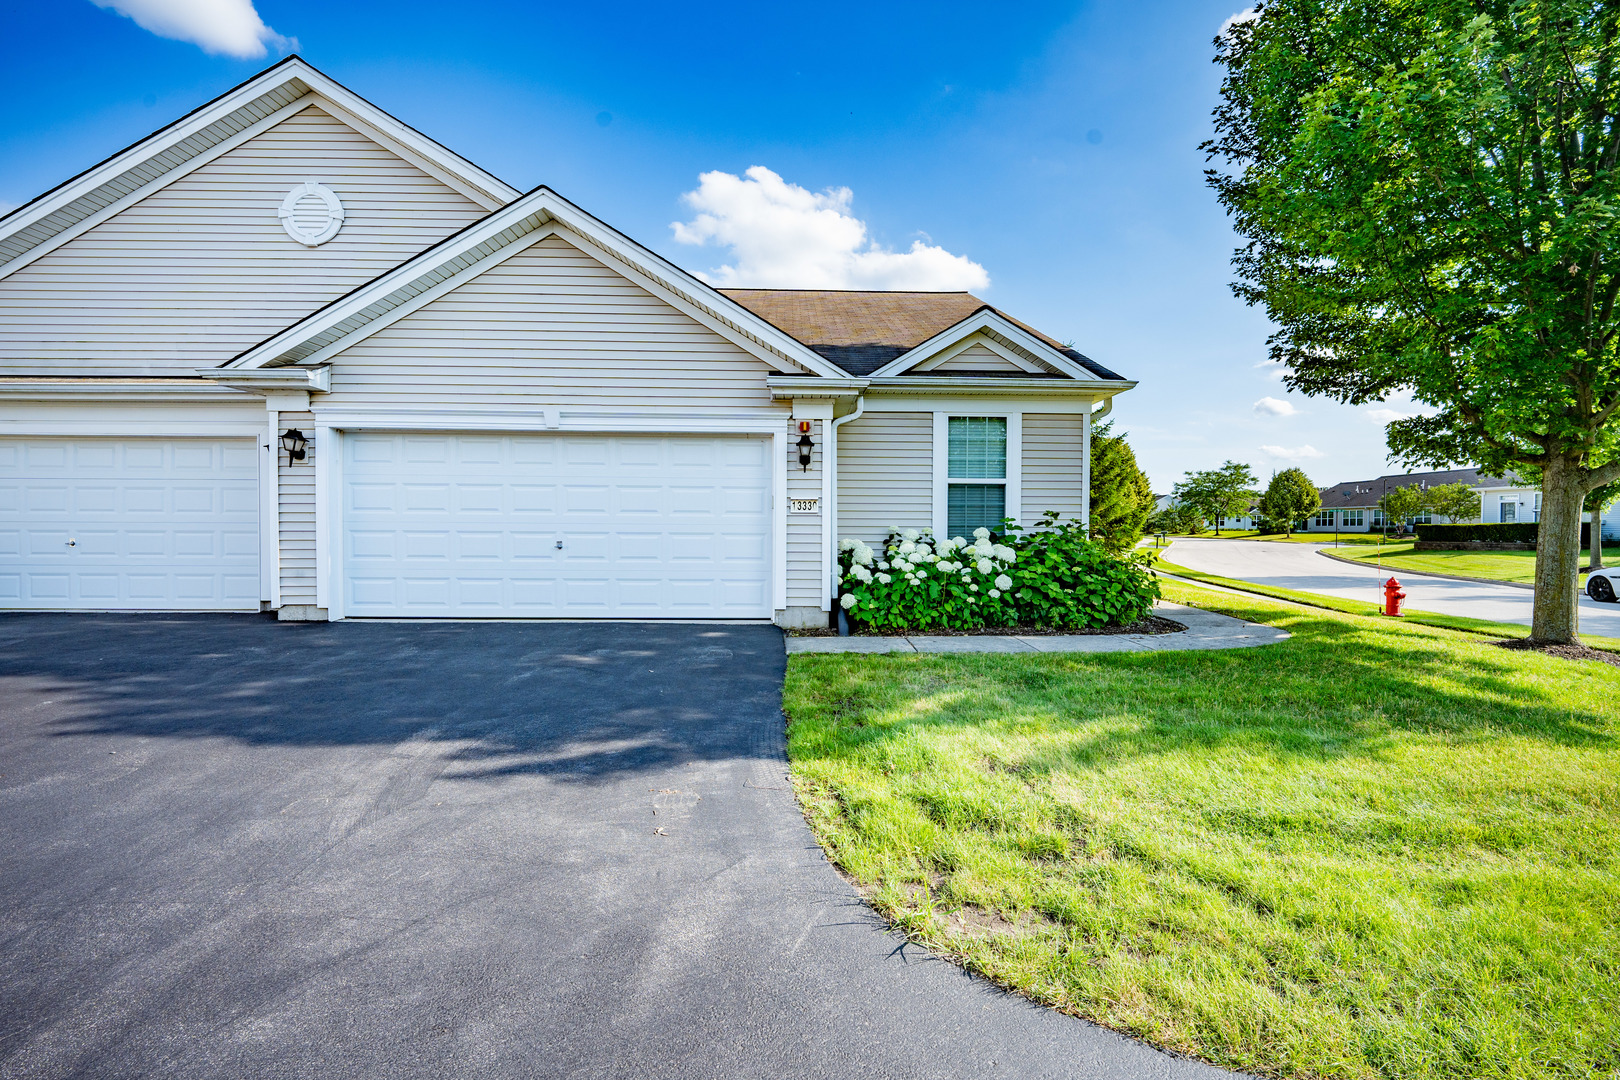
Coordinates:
[981,533]
[922,573]
[846,544]
[947,545]
[1003,581]
[974,588]
[860,573]
[959,541]
[985,566]
[910,534]
[907,547]
[995,594]
[984,548]
[923,549]
[883,564]
[884,579]
[1004,553]
[847,601]
[863,554]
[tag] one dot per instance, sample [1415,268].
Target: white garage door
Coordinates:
[131,524]
[561,526]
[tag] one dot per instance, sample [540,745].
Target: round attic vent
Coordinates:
[311,214]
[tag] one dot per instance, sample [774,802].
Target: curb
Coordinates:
[1429,573]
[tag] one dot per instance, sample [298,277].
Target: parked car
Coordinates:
[1603,585]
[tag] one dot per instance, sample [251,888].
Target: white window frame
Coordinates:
[1507,505]
[1359,522]
[1319,523]
[942,453]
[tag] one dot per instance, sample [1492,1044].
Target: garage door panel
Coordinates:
[650,526]
[154,523]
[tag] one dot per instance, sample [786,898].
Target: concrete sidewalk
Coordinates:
[1205,630]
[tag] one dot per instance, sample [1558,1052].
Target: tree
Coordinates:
[1176,518]
[1403,503]
[1289,497]
[1598,500]
[1428,193]
[1121,497]
[1454,502]
[1217,493]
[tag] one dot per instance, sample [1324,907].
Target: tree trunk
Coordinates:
[1596,543]
[1558,552]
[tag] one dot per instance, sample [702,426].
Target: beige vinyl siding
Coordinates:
[885,474]
[551,326]
[202,269]
[804,558]
[295,512]
[1054,460]
[980,358]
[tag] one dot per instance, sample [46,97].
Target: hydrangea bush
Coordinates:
[1051,576]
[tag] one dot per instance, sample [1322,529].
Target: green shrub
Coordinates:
[1510,533]
[1052,576]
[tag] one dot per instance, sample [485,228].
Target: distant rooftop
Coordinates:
[1366,493]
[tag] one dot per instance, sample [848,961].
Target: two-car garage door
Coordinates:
[569,526]
[433,525]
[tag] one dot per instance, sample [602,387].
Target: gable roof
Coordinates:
[209,130]
[862,331]
[496,237]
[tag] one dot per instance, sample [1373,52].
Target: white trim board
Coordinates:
[985,319]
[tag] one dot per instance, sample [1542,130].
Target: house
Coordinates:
[1353,506]
[290,355]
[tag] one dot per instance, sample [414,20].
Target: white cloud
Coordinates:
[1384,416]
[1270,406]
[784,236]
[231,27]
[1247,15]
[1296,453]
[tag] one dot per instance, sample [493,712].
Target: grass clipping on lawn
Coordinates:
[1373,850]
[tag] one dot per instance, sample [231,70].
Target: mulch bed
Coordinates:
[1567,652]
[1153,624]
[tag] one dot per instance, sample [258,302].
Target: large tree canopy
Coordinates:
[1428,192]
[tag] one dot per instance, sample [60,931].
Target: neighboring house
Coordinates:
[1353,506]
[288,354]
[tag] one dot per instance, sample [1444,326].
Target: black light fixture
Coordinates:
[293,441]
[806,445]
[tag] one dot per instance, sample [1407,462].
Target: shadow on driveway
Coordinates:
[231,847]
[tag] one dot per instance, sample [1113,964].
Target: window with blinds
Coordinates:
[976,474]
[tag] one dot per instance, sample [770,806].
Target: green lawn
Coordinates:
[1496,565]
[1375,850]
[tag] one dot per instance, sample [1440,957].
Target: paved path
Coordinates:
[1298,566]
[235,847]
[1205,630]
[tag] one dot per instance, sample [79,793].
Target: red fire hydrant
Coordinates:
[1394,599]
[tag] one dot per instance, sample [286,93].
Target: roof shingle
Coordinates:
[860,331]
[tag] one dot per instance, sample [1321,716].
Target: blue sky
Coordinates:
[1050,147]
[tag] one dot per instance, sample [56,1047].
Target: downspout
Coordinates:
[831,466]
[1085,460]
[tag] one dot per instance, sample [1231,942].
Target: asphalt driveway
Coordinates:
[231,847]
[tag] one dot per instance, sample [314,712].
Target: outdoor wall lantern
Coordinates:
[293,441]
[806,445]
